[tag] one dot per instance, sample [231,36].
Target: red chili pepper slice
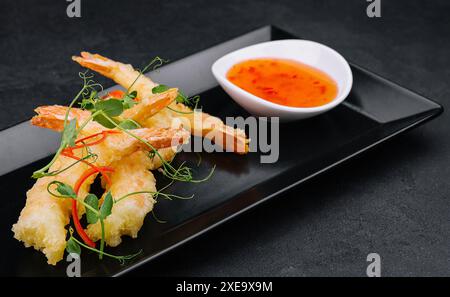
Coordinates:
[68,152]
[78,184]
[117,94]
[102,138]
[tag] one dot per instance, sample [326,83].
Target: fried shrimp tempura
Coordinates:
[43,219]
[123,74]
[131,174]
[179,115]
[149,106]
[199,123]
[52,116]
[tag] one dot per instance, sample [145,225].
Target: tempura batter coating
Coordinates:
[43,219]
[131,174]
[200,124]
[123,74]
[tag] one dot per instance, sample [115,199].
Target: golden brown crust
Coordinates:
[150,106]
[131,174]
[164,137]
[42,221]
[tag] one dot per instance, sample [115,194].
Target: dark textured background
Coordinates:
[393,200]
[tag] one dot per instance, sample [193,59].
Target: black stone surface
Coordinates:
[393,201]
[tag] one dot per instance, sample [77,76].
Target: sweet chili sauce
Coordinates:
[284,82]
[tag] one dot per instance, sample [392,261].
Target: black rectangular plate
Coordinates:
[375,111]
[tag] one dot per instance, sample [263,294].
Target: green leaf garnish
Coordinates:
[64,190]
[128,100]
[105,122]
[121,259]
[129,124]
[105,209]
[160,89]
[91,216]
[69,134]
[190,102]
[38,174]
[181,98]
[87,104]
[88,89]
[111,107]
[72,246]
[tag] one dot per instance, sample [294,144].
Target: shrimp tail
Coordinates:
[52,116]
[123,74]
[95,62]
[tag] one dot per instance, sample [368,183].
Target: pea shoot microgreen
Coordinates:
[155,195]
[155,217]
[91,216]
[94,212]
[191,102]
[105,112]
[73,245]
[128,100]
[105,209]
[110,107]
[155,63]
[83,159]
[69,134]
[160,89]
[182,173]
[63,190]
[129,124]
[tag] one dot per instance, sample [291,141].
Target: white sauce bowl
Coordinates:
[307,52]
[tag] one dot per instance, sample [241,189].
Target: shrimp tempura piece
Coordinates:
[199,123]
[131,174]
[149,106]
[52,116]
[123,74]
[43,219]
